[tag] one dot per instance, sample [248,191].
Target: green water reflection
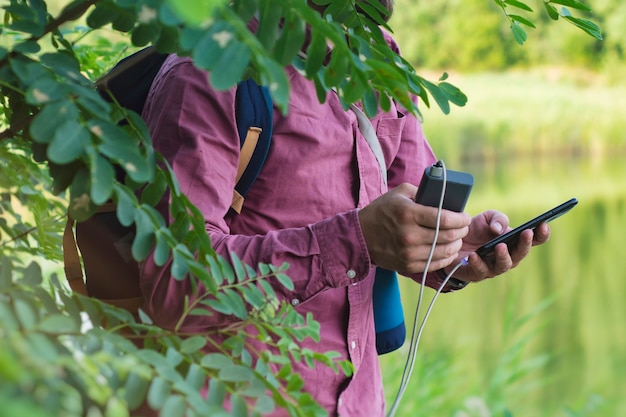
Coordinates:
[489,342]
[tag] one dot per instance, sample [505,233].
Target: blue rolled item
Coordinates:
[388,312]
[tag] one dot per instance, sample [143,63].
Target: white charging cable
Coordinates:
[417,327]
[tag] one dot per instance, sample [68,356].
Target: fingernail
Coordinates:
[498,227]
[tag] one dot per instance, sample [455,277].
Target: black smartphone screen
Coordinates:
[511,237]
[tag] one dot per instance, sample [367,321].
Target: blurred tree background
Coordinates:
[472,36]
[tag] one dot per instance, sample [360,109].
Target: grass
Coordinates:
[543,111]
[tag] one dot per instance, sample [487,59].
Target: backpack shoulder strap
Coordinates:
[129,81]
[254,114]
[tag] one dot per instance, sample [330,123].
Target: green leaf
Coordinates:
[285,281]
[48,120]
[267,288]
[274,76]
[162,250]
[354,88]
[337,68]
[194,12]
[215,269]
[89,101]
[574,4]
[167,40]
[455,95]
[217,393]
[124,21]
[375,11]
[370,103]
[155,190]
[291,39]
[135,390]
[173,357]
[48,303]
[126,205]
[68,143]
[521,20]
[158,393]
[26,312]
[8,321]
[102,178]
[143,34]
[518,33]
[315,54]
[219,306]
[168,17]
[438,95]
[215,361]
[253,295]
[27,47]
[234,301]
[63,64]
[81,206]
[181,256]
[193,344]
[239,406]
[235,373]
[27,71]
[123,149]
[270,14]
[200,272]
[196,376]
[238,267]
[101,15]
[58,324]
[144,235]
[144,317]
[230,66]
[190,36]
[587,26]
[519,5]
[32,275]
[553,13]
[212,45]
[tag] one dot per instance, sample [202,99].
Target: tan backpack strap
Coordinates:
[71,260]
[249,145]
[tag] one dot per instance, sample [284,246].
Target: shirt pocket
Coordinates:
[389,133]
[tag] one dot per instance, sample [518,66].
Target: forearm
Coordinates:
[326,254]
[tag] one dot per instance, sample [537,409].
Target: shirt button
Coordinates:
[353,345]
[295,302]
[351,274]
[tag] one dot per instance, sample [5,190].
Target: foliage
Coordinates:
[61,143]
[58,361]
[481,40]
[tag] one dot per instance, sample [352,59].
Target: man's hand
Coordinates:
[485,227]
[399,232]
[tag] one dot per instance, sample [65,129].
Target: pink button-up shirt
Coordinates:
[302,209]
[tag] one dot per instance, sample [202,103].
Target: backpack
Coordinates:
[112,275]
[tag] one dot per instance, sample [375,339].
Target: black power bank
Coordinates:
[458,187]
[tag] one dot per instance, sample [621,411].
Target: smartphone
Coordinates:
[511,237]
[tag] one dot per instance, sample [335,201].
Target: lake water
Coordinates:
[548,338]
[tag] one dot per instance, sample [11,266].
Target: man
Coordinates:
[319,204]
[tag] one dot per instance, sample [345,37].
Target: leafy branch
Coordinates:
[518,22]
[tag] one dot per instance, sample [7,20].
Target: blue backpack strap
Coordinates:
[253,107]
